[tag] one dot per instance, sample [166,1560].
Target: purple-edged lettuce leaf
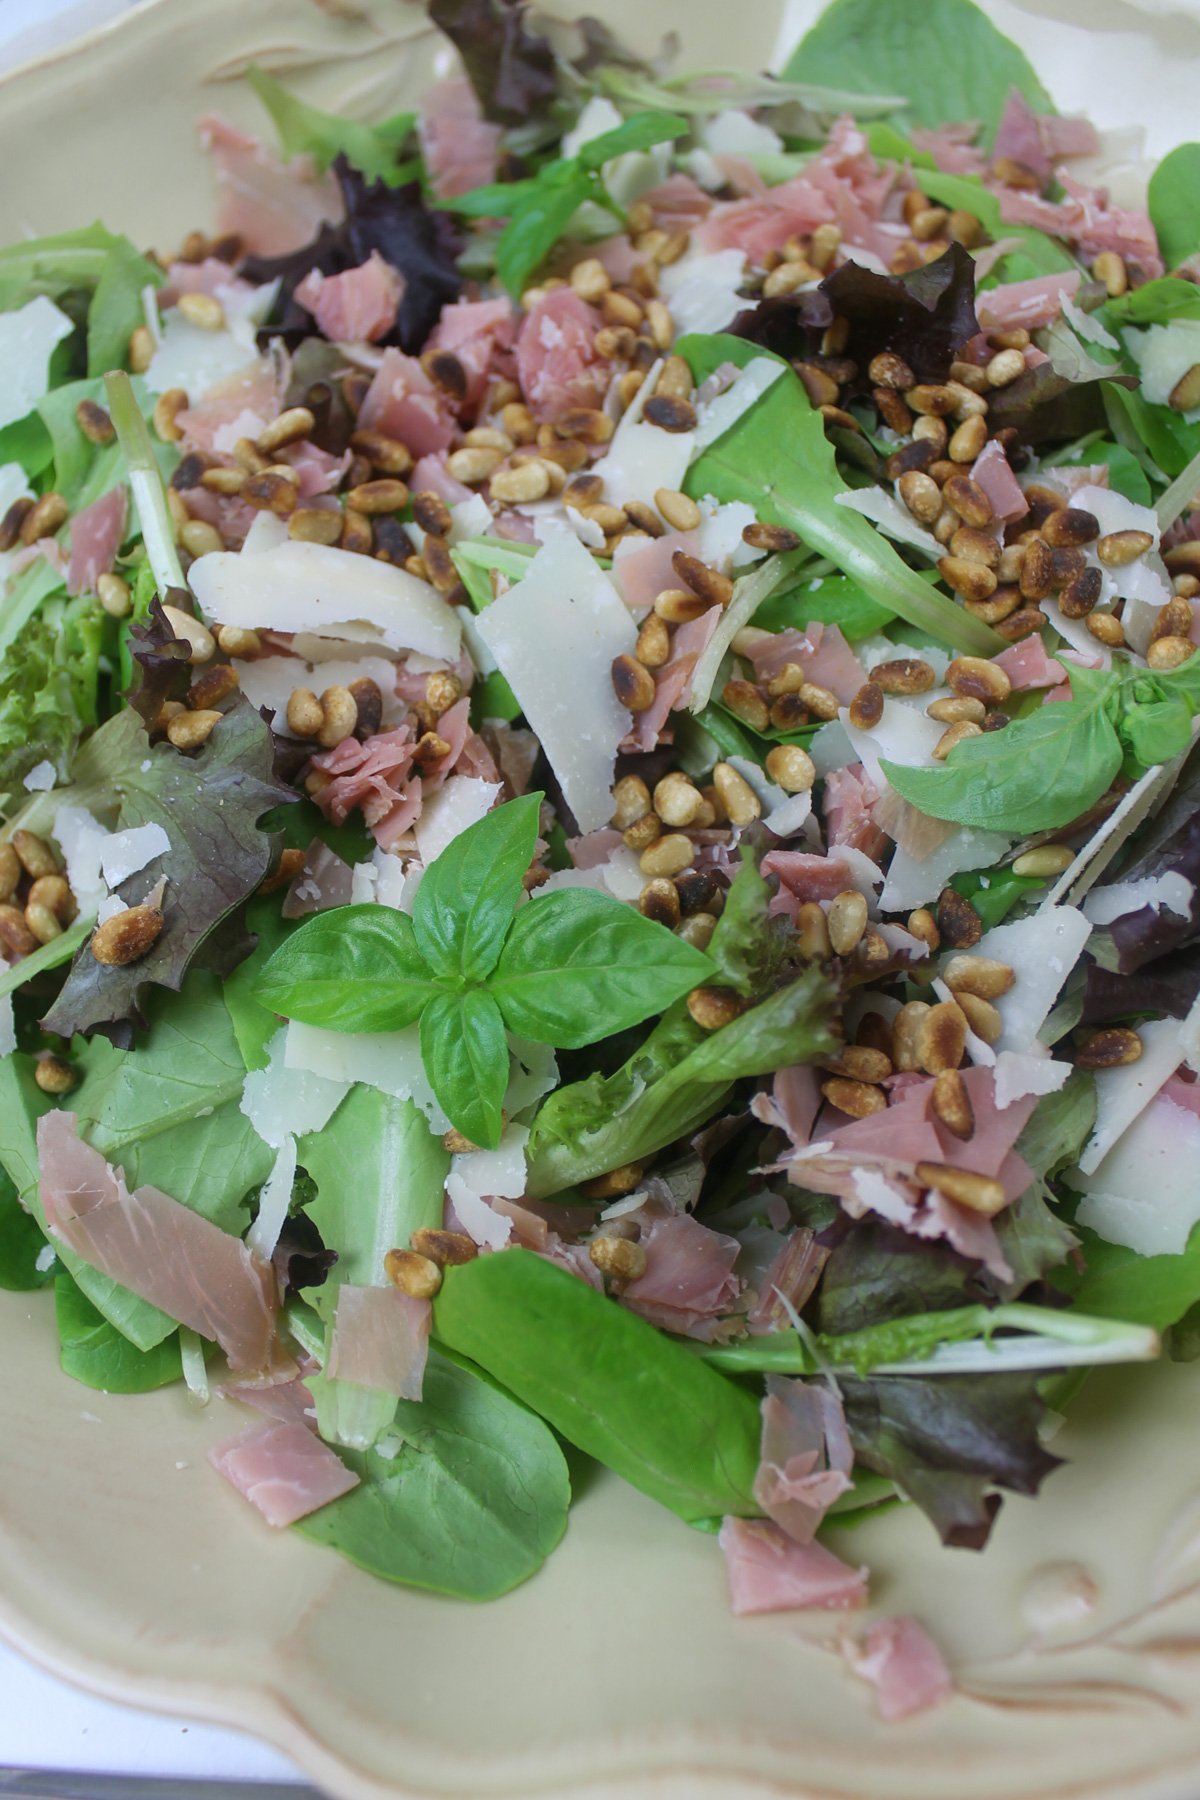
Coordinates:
[511,69]
[923,316]
[161,670]
[948,1440]
[1170,985]
[1169,844]
[1060,398]
[877,1273]
[395,221]
[209,805]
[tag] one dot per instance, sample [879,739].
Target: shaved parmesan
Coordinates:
[901,736]
[273,1203]
[490,1230]
[702,292]
[1024,1072]
[1042,950]
[82,841]
[266,532]
[191,358]
[786,819]
[1143,582]
[1170,890]
[126,852]
[718,416]
[1121,1094]
[462,802]
[282,1102]
[894,520]
[41,778]
[27,340]
[498,1174]
[1144,1194]
[719,539]
[470,518]
[554,636]
[387,1060]
[911,881]
[598,116]
[389,878]
[363,877]
[641,459]
[735,133]
[1163,353]
[315,587]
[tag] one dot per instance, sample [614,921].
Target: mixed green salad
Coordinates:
[597,714]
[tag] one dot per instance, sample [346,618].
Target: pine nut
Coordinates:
[822,248]
[387,454]
[339,717]
[114,596]
[1107,630]
[737,797]
[632,684]
[714,1007]
[941,1038]
[975,546]
[854,1097]
[521,483]
[668,855]
[887,370]
[16,939]
[1173,620]
[315,525]
[94,423]
[713,587]
[415,1275]
[930,397]
[1005,367]
[968,500]
[967,440]
[680,512]
[745,702]
[775,538]
[42,922]
[199,538]
[959,925]
[190,631]
[235,641]
[202,310]
[1109,267]
[631,801]
[1070,527]
[53,1075]
[223,481]
[821,702]
[970,579]
[446,372]
[1046,861]
[677,800]
[127,936]
[678,606]
[659,900]
[866,708]
[166,408]
[859,1062]
[951,1101]
[975,678]
[791,768]
[812,929]
[979,1193]
[1185,395]
[304,714]
[956,711]
[966,405]
[983,976]
[847,920]
[271,492]
[141,349]
[472,466]
[34,854]
[44,518]
[921,495]
[1119,548]
[1169,652]
[215,685]
[906,1032]
[1114,1048]
[616,1184]
[642,832]
[697,930]
[662,326]
[905,675]
[617,1257]
[930,434]
[188,730]
[448,1249]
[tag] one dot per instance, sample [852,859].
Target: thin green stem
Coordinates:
[149,492]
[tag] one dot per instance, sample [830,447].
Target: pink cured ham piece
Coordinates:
[793,1103]
[805,1454]
[200,278]
[850,795]
[1018,137]
[794,208]
[273,209]
[96,535]
[952,148]
[689,1281]
[793,1277]
[768,1572]
[403,403]
[993,474]
[459,146]
[431,476]
[317,471]
[821,651]
[687,647]
[475,759]
[324,881]
[287,1402]
[1027,304]
[162,1251]
[556,360]
[808,877]
[1065,136]
[669,685]
[907,1668]
[594,849]
[643,570]
[380,1340]
[239,406]
[1027,665]
[283,1469]
[367,774]
[231,515]
[1087,222]
[357,306]
[480,333]
[678,203]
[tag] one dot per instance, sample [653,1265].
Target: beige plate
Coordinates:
[127,1565]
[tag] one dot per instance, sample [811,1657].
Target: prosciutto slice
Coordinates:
[359,305]
[380,1340]
[282,1468]
[403,403]
[769,1572]
[459,146]
[96,535]
[556,360]
[160,1250]
[689,1281]
[906,1667]
[821,651]
[273,209]
[805,1453]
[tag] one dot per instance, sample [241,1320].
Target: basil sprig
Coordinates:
[1048,768]
[566,969]
[538,210]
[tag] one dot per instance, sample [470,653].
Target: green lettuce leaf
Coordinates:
[93,1351]
[1174,202]
[49,689]
[307,131]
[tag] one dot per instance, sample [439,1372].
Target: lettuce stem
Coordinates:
[149,493]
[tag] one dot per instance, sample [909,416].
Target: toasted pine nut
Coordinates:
[738,798]
[941,1037]
[659,900]
[977,1192]
[188,730]
[190,631]
[668,855]
[677,800]
[847,920]
[714,1007]
[951,1101]
[791,768]
[1045,862]
[619,1257]
[631,801]
[127,936]
[53,1075]
[166,407]
[615,1185]
[679,605]
[521,483]
[984,976]
[114,596]
[415,1275]
[202,310]
[680,511]
[1113,1048]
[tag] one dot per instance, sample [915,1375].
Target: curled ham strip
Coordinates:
[806,876]
[906,1667]
[1087,222]
[793,1277]
[239,406]
[367,775]
[770,1572]
[1027,665]
[283,1468]
[431,476]
[480,333]
[96,535]
[287,1402]
[380,1340]
[1027,303]
[324,881]
[806,1456]
[160,1250]
[993,474]
[689,1282]
[403,403]
[952,148]
[359,305]
[850,797]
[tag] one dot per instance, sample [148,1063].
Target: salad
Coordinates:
[597,714]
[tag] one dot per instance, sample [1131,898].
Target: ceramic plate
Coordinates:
[125,1564]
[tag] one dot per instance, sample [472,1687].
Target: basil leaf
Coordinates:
[607,1380]
[465,902]
[1039,772]
[465,1053]
[1154,731]
[641,132]
[579,966]
[472,1502]
[535,225]
[777,458]
[1174,203]
[95,1352]
[880,47]
[355,968]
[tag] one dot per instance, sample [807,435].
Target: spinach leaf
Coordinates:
[1118,1283]
[1174,203]
[672,1085]
[22,1241]
[167,1112]
[882,47]
[1157,303]
[116,305]
[95,1352]
[379,1172]
[574,969]
[831,599]
[1045,254]
[778,459]
[306,130]
[468,1497]
[608,1381]
[464,905]
[22,1104]
[354,968]
[1041,771]
[465,1053]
